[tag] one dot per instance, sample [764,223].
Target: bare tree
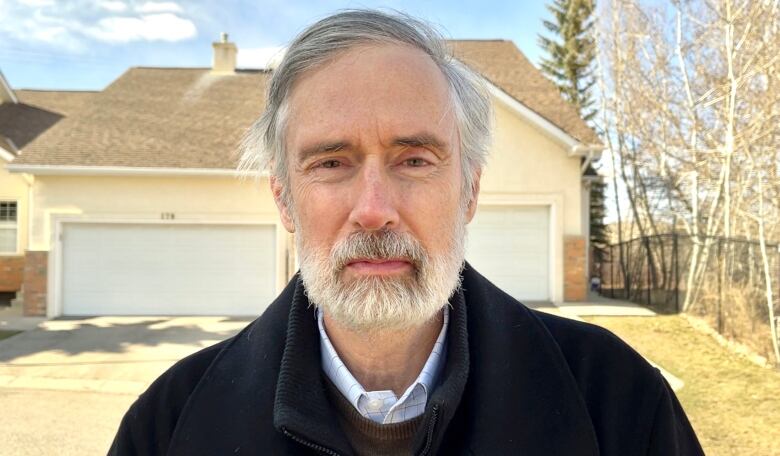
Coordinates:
[691,112]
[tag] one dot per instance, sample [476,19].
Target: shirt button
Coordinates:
[375,404]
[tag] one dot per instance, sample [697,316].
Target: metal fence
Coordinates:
[728,287]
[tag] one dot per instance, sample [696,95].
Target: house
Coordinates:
[136,207]
[24,115]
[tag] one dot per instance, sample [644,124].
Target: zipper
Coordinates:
[318,448]
[429,438]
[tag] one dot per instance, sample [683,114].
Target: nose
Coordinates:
[374,206]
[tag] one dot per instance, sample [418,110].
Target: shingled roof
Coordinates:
[193,118]
[36,112]
[157,117]
[503,64]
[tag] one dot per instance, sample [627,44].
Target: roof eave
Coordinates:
[8,91]
[574,146]
[6,155]
[587,150]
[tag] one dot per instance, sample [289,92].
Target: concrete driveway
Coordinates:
[65,385]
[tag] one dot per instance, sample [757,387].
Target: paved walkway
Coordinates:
[106,354]
[597,305]
[11,319]
[65,385]
[594,306]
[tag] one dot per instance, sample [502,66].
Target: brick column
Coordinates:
[35,276]
[575,285]
[11,272]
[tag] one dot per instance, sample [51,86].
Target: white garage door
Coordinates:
[510,246]
[170,269]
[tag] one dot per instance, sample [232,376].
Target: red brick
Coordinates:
[11,273]
[35,283]
[575,281]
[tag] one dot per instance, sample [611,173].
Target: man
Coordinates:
[386,342]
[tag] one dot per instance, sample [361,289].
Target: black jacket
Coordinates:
[515,381]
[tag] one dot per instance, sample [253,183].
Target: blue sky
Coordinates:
[85,44]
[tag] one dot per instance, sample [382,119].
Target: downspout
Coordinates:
[590,152]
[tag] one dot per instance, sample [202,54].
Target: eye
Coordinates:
[329,164]
[416,162]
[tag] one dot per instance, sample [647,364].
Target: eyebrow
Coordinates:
[416,140]
[322,148]
[421,140]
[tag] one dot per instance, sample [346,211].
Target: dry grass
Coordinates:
[743,316]
[733,404]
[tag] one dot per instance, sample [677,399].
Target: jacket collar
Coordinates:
[302,410]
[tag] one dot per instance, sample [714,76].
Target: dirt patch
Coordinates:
[733,404]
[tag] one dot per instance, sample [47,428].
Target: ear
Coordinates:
[284,211]
[472,207]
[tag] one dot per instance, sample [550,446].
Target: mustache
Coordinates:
[378,245]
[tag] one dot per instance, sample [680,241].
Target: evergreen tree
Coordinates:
[569,64]
[571,53]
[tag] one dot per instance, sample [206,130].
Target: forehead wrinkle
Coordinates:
[436,99]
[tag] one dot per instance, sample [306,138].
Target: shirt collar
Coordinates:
[345,382]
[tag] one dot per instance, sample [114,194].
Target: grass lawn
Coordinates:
[6,334]
[733,405]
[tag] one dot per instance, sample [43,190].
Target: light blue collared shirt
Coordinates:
[383,406]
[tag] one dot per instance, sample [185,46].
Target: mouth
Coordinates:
[379,267]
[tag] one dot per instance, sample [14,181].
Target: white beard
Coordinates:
[383,303]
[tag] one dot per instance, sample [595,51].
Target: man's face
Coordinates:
[375,179]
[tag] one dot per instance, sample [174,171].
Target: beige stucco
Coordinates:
[525,163]
[190,199]
[530,166]
[16,187]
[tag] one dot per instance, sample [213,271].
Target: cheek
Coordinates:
[319,215]
[431,214]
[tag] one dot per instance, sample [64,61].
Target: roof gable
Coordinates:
[505,66]
[157,117]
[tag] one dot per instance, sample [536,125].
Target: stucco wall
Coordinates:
[15,187]
[220,199]
[524,161]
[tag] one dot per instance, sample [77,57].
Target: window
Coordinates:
[8,226]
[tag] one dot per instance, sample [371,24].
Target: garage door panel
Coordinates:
[113,269]
[510,246]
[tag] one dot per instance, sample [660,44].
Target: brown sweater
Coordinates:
[368,437]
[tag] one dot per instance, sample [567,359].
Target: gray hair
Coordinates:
[263,145]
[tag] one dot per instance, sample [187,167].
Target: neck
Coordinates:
[384,360]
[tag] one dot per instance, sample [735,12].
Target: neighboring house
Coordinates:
[137,209]
[24,115]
